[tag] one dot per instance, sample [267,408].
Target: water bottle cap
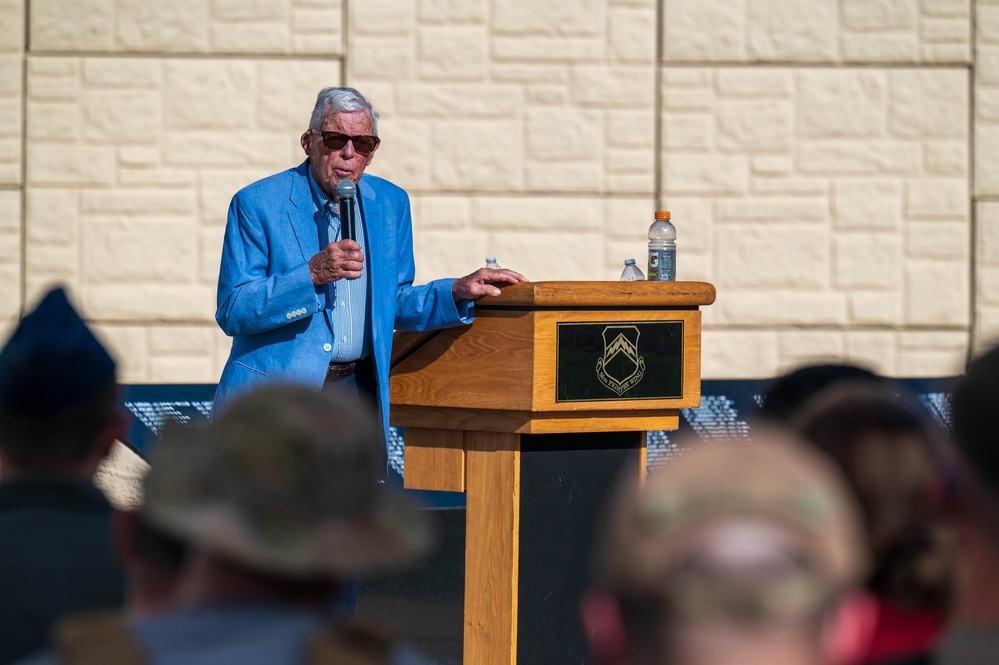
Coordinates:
[629,262]
[490,259]
[662,214]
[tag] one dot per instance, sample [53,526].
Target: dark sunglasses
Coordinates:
[336,141]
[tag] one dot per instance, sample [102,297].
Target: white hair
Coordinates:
[331,101]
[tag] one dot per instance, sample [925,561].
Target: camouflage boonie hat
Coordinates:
[284,481]
[774,482]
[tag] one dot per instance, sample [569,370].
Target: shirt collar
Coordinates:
[49,492]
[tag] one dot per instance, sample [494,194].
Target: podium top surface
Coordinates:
[601,294]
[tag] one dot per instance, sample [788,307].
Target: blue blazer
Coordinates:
[268,304]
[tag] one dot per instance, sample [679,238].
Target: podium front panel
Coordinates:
[564,484]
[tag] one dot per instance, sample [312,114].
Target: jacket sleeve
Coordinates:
[257,292]
[430,305]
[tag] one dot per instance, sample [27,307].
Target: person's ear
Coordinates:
[604,626]
[306,142]
[846,635]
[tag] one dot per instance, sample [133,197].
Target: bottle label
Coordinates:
[662,265]
[667,267]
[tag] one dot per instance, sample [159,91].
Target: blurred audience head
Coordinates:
[790,392]
[281,488]
[153,559]
[890,451]
[973,636]
[732,549]
[975,426]
[60,408]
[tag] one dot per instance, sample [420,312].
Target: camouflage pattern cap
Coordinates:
[774,482]
[284,481]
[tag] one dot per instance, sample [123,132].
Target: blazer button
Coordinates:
[327,347]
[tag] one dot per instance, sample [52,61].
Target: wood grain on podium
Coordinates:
[491,548]
[506,360]
[569,295]
[434,459]
[534,422]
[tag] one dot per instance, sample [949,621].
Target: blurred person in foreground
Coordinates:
[153,561]
[60,413]
[278,503]
[304,302]
[891,453]
[973,635]
[733,553]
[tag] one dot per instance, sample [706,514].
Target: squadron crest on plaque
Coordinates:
[624,369]
[621,367]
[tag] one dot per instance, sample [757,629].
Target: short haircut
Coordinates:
[53,439]
[331,101]
[790,392]
[890,452]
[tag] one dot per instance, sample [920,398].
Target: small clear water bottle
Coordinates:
[491,262]
[662,249]
[631,272]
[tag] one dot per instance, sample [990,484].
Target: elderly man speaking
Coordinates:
[302,301]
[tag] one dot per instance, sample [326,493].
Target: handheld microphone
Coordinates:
[345,194]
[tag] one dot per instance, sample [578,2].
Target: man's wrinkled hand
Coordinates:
[483,282]
[338,260]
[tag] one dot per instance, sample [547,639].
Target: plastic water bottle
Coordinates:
[631,272]
[662,249]
[491,263]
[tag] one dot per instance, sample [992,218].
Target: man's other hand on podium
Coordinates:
[483,282]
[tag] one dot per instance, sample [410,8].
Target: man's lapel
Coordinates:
[374,228]
[301,214]
[302,218]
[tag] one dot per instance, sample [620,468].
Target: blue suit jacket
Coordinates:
[268,304]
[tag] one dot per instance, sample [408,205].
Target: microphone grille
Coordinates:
[345,189]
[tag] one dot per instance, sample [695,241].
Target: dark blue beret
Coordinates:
[52,361]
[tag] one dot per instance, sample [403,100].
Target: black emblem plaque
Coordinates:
[629,360]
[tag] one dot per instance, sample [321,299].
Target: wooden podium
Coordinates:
[532,411]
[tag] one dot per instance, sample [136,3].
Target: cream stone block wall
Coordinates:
[131,163]
[11,145]
[10,256]
[250,27]
[814,196]
[11,117]
[829,163]
[535,96]
[826,31]
[986,143]
[832,207]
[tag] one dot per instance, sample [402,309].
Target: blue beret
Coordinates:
[52,361]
